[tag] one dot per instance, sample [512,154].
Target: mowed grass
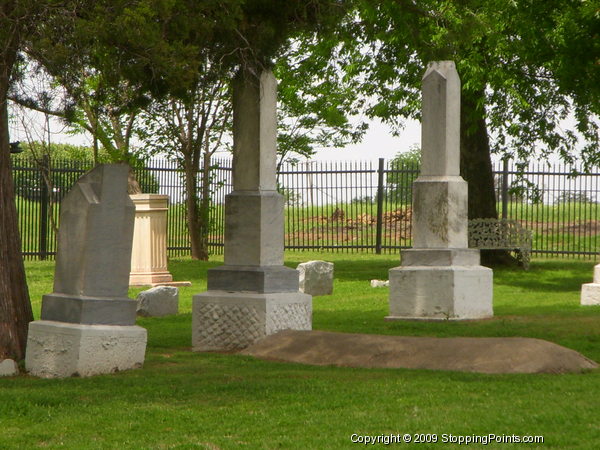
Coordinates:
[182,399]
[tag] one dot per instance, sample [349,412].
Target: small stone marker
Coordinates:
[379,283]
[158,301]
[316,277]
[440,277]
[590,292]
[88,322]
[8,368]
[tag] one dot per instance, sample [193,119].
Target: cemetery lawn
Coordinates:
[182,399]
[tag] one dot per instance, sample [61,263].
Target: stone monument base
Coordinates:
[149,278]
[60,349]
[224,320]
[590,294]
[440,284]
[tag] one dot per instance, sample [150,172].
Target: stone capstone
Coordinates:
[316,277]
[158,301]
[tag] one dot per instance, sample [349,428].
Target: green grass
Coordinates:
[183,399]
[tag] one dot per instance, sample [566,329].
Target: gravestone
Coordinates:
[253,294]
[440,277]
[8,368]
[158,301]
[316,277]
[87,324]
[590,292]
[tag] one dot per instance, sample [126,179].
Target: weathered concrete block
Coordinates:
[57,349]
[590,294]
[8,368]
[441,293]
[265,279]
[316,277]
[440,213]
[158,301]
[254,228]
[234,320]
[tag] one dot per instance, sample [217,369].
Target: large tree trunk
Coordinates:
[204,210]
[15,308]
[476,169]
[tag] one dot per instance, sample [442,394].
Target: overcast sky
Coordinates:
[378,142]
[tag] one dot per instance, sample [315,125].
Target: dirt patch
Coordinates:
[484,355]
[587,228]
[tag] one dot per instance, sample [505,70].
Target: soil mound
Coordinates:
[484,355]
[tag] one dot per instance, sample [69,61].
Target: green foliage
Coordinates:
[62,164]
[404,170]
[528,65]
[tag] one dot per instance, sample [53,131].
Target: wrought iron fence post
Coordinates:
[379,206]
[504,193]
[44,200]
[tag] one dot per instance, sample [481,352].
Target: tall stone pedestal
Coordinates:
[253,294]
[88,323]
[440,278]
[149,251]
[590,292]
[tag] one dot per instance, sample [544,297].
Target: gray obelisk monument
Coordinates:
[440,277]
[88,322]
[253,294]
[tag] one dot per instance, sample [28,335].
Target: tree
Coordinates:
[515,85]
[17,19]
[404,170]
[191,130]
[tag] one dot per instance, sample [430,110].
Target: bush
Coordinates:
[404,170]
[67,164]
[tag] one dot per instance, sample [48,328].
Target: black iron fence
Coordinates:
[336,206]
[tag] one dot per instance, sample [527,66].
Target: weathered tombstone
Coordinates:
[253,294]
[590,292]
[316,277]
[158,301]
[87,325]
[8,368]
[440,277]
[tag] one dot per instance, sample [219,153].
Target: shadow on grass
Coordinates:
[354,270]
[547,276]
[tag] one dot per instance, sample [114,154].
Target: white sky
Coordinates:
[378,142]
